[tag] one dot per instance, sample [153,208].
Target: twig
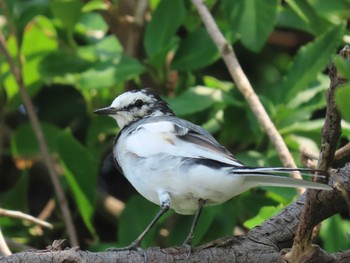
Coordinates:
[17,72]
[44,214]
[308,158]
[342,152]
[109,204]
[21,215]
[4,249]
[47,211]
[244,86]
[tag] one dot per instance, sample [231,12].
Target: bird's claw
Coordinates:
[134,246]
[188,248]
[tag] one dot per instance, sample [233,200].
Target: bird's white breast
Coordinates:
[153,163]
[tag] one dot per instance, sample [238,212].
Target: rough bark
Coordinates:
[331,131]
[265,243]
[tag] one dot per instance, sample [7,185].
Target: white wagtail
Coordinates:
[177,164]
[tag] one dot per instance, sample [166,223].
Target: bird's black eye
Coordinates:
[139,103]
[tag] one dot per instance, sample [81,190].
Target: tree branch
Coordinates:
[264,243]
[21,215]
[342,152]
[4,249]
[17,73]
[244,85]
[302,247]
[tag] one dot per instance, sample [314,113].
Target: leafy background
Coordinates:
[75,60]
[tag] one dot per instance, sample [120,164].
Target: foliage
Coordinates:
[73,64]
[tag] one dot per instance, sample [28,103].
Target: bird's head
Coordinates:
[134,105]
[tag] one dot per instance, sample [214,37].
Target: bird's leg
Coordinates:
[187,243]
[164,207]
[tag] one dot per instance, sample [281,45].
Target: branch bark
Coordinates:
[264,243]
[126,21]
[331,131]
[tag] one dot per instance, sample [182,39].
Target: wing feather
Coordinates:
[177,137]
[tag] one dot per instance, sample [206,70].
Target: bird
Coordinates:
[179,165]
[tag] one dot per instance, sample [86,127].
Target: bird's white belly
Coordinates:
[185,184]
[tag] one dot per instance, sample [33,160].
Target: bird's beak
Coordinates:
[106,111]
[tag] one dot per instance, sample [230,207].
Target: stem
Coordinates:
[17,72]
[243,84]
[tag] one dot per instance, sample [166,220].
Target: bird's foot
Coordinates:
[133,246]
[187,246]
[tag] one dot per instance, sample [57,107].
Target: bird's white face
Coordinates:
[134,105]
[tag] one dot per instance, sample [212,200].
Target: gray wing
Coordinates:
[199,142]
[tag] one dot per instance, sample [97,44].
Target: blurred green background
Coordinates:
[77,56]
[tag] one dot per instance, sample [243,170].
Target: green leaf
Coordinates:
[226,86]
[264,214]
[342,65]
[334,11]
[111,72]
[166,19]
[256,20]
[17,197]
[281,195]
[45,42]
[205,221]
[335,234]
[233,13]
[91,28]
[312,98]
[308,15]
[95,5]
[61,63]
[342,97]
[109,47]
[26,11]
[136,216]
[303,126]
[100,128]
[67,11]
[158,59]
[81,173]
[24,143]
[192,54]
[311,60]
[287,18]
[197,99]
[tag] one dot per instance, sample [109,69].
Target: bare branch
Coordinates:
[342,152]
[264,243]
[244,85]
[308,158]
[17,73]
[4,249]
[21,215]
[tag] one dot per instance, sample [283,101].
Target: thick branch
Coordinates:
[126,22]
[302,247]
[264,243]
